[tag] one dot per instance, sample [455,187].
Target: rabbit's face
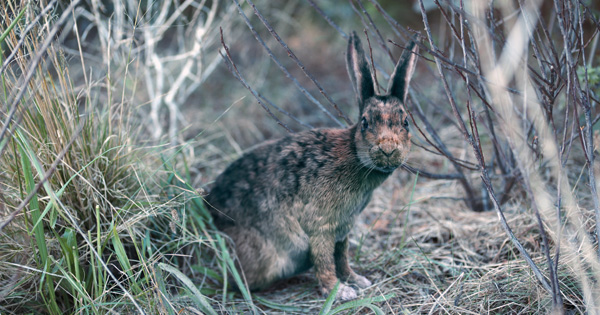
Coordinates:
[382,137]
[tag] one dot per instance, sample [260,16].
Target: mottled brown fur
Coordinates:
[289,204]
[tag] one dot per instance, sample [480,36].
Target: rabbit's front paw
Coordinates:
[346,293]
[360,281]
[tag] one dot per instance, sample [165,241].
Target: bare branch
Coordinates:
[299,63]
[302,90]
[233,68]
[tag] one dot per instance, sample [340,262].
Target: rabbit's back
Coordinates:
[314,177]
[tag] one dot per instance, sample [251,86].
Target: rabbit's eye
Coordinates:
[405,123]
[365,124]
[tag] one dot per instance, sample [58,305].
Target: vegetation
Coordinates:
[115,117]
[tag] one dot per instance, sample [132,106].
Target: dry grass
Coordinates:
[163,116]
[436,255]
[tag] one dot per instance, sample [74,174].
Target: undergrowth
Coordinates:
[82,241]
[95,218]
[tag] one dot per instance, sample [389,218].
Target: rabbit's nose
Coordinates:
[387,148]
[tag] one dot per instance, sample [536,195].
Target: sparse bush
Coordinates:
[115,115]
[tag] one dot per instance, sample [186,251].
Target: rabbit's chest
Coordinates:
[348,214]
[331,214]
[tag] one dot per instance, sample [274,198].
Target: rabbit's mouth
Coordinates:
[386,169]
[386,162]
[384,157]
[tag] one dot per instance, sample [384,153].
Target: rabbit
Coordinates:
[289,204]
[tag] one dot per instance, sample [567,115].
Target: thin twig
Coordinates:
[429,174]
[326,17]
[233,68]
[587,138]
[479,156]
[380,39]
[439,144]
[372,62]
[302,90]
[299,63]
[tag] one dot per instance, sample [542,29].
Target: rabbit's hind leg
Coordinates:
[260,260]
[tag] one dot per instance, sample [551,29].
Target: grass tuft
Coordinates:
[115,116]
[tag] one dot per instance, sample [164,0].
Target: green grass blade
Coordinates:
[26,151]
[92,280]
[59,193]
[194,293]
[278,306]
[163,290]
[208,272]
[368,303]
[234,273]
[12,25]
[408,207]
[34,206]
[3,143]
[38,231]
[143,262]
[330,299]
[124,260]
[78,289]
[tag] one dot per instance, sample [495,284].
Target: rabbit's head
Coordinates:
[382,138]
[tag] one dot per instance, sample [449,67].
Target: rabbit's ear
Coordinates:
[400,79]
[358,69]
